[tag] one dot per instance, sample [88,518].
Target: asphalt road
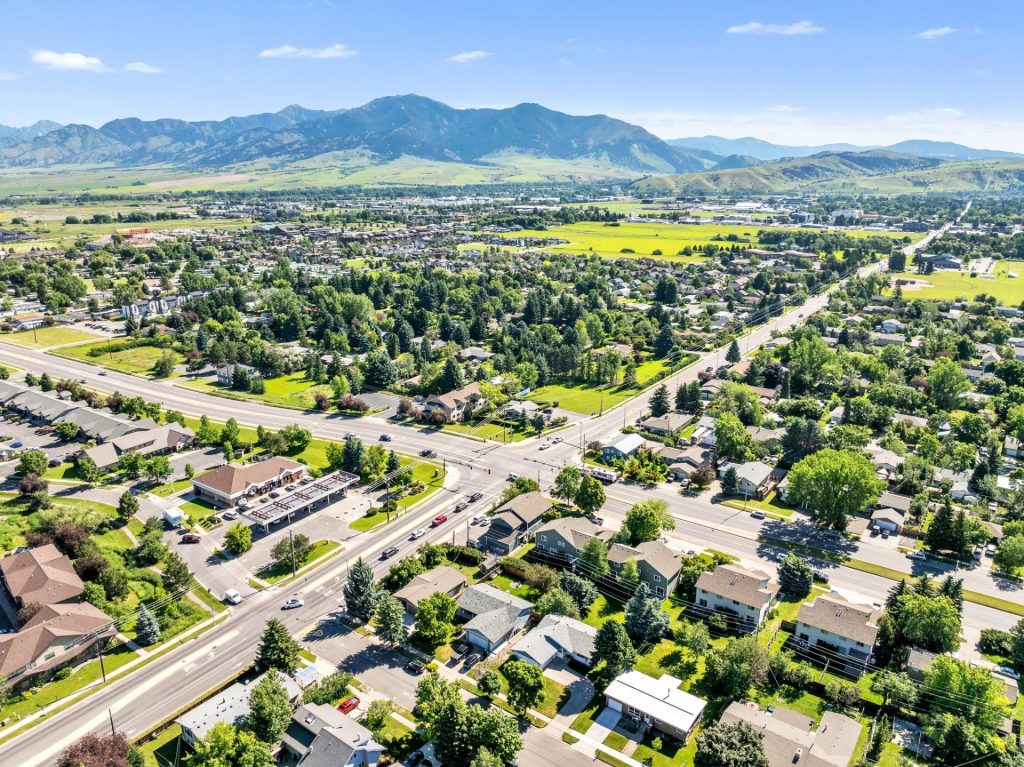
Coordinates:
[139,700]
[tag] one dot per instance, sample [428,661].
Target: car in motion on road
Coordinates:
[920,556]
[190,538]
[385,437]
[439,520]
[475,497]
[415,668]
[428,453]
[389,552]
[348,705]
[544,445]
[417,534]
[757,514]
[460,506]
[291,604]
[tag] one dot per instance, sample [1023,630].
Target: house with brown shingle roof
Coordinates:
[228,484]
[512,523]
[789,738]
[457,404]
[838,627]
[62,628]
[566,537]
[745,594]
[657,563]
[445,579]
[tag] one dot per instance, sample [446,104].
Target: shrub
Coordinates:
[62,674]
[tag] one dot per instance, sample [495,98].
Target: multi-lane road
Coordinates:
[144,697]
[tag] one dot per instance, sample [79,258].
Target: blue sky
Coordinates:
[793,72]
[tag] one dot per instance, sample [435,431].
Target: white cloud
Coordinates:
[336,51]
[782,108]
[467,56]
[935,33]
[924,116]
[75,62]
[757,28]
[143,68]
[7,77]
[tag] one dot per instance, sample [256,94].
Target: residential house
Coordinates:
[321,736]
[840,628]
[564,538]
[492,616]
[667,425]
[228,484]
[474,354]
[558,638]
[458,404]
[891,325]
[746,595]
[230,706]
[512,523]
[444,579]
[656,703]
[704,435]
[169,438]
[521,410]
[771,437]
[657,564]
[226,373]
[622,447]
[682,462]
[889,520]
[61,631]
[1012,447]
[753,478]
[787,740]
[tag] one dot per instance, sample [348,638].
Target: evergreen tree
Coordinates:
[612,646]
[360,591]
[390,627]
[644,617]
[175,574]
[352,455]
[127,506]
[451,376]
[147,627]
[733,355]
[954,589]
[941,534]
[796,576]
[730,482]
[659,401]
[277,648]
[582,591]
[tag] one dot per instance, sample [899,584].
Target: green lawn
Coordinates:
[616,740]
[646,238]
[50,693]
[587,398]
[276,573]
[172,488]
[771,505]
[294,391]
[162,750]
[138,360]
[197,509]
[42,338]
[672,753]
[16,518]
[66,471]
[951,285]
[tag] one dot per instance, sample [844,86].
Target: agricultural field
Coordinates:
[294,391]
[646,238]
[951,285]
[44,338]
[136,360]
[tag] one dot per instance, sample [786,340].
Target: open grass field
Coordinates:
[294,390]
[276,573]
[646,238]
[137,360]
[950,285]
[43,338]
[587,398]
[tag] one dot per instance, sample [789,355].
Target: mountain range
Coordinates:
[415,140]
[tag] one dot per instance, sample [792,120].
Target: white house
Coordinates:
[657,703]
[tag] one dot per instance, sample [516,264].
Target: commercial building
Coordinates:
[227,485]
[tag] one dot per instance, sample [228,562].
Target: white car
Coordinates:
[1007,671]
[544,446]
[556,440]
[477,520]
[512,477]
[292,603]
[416,534]
[918,555]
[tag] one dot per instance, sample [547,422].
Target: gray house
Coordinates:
[557,637]
[657,563]
[492,616]
[513,523]
[566,537]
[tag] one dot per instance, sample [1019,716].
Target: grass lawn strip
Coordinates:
[277,573]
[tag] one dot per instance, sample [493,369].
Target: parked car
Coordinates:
[475,497]
[459,649]
[16,444]
[1007,671]
[232,596]
[417,534]
[291,604]
[472,660]
[416,756]
[439,520]
[820,575]
[389,552]
[415,668]
[477,519]
[917,555]
[229,515]
[274,494]
[348,705]
[512,476]
[190,538]
[385,437]
[990,550]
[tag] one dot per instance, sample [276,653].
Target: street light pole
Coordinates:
[291,545]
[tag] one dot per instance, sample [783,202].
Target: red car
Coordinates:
[439,520]
[348,705]
[190,538]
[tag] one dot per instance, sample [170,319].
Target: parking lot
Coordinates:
[24,432]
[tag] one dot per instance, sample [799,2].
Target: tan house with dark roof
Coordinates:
[40,576]
[230,483]
[838,628]
[745,594]
[657,563]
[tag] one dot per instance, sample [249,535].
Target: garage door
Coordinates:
[614,705]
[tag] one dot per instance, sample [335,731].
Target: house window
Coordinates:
[702,602]
[561,544]
[659,591]
[657,579]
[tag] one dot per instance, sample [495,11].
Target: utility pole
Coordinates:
[111,715]
[99,654]
[291,545]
